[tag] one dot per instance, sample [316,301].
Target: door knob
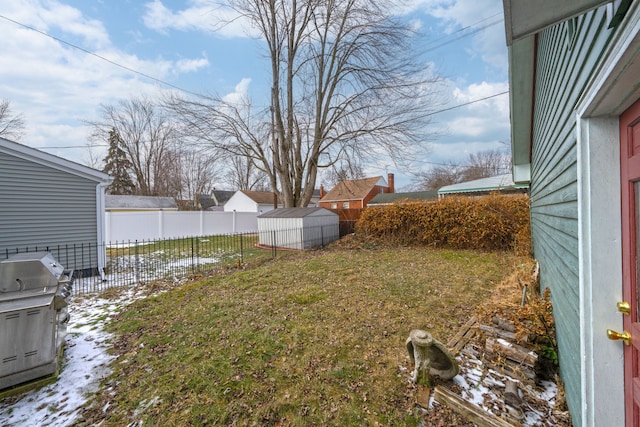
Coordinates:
[624,336]
[624,307]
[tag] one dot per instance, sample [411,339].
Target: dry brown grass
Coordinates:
[310,340]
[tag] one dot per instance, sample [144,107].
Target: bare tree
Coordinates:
[485,164]
[243,175]
[345,84]
[478,165]
[197,174]
[11,125]
[439,176]
[343,172]
[149,140]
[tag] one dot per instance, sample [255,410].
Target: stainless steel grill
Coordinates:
[33,316]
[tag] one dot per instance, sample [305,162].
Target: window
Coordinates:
[334,206]
[345,205]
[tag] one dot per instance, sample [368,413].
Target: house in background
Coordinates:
[385,199]
[214,201]
[251,201]
[119,203]
[356,193]
[50,203]
[574,71]
[478,187]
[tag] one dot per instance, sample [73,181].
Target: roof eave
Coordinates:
[521,83]
[523,18]
[34,155]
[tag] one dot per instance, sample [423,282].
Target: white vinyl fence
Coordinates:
[131,226]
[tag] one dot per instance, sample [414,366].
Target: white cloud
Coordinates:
[240,93]
[57,87]
[201,15]
[190,65]
[478,126]
[485,17]
[49,15]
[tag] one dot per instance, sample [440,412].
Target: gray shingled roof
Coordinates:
[139,202]
[294,212]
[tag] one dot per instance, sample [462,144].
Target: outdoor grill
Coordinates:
[33,316]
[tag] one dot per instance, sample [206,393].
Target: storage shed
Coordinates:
[298,228]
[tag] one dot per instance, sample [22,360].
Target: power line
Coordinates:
[470,33]
[433,113]
[423,115]
[124,67]
[466,28]
[165,83]
[73,146]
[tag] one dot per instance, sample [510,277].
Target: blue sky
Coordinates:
[57,87]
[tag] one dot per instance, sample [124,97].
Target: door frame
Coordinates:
[605,98]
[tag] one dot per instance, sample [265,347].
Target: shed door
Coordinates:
[630,182]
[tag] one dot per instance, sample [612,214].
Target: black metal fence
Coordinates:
[128,263]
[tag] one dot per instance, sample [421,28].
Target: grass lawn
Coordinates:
[310,339]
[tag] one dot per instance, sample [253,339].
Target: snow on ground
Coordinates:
[482,387]
[85,363]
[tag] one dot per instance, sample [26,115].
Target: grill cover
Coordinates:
[31,271]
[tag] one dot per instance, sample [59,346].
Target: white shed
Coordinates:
[298,228]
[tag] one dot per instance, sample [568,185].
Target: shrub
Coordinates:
[494,222]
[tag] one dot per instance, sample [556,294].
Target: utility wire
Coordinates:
[466,28]
[432,113]
[470,33]
[162,82]
[124,67]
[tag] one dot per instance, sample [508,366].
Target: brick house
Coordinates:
[348,198]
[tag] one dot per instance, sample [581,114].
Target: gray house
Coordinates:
[575,90]
[49,203]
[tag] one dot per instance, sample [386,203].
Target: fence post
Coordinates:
[241,250]
[136,267]
[322,236]
[273,244]
[192,258]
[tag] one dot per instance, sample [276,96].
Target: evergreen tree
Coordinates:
[117,164]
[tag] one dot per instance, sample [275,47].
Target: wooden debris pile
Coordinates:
[499,382]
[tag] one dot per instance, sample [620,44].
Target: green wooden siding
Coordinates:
[42,207]
[566,60]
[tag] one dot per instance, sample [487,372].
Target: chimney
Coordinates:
[321,191]
[391,182]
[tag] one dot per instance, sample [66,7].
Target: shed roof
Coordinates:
[296,213]
[139,202]
[36,156]
[493,183]
[388,198]
[355,189]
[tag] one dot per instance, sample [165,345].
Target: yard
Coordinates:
[310,339]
